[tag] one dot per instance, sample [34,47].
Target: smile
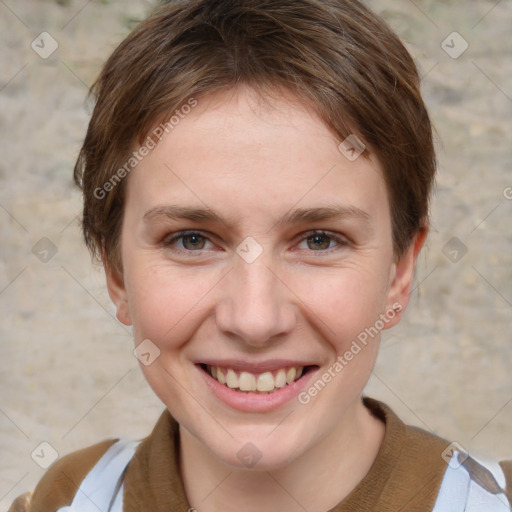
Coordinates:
[259,383]
[257,386]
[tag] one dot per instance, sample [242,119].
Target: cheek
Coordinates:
[163,301]
[345,302]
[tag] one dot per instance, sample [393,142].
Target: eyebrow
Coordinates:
[296,216]
[324,213]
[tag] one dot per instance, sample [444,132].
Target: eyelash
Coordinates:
[341,241]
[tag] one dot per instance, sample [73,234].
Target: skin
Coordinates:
[252,162]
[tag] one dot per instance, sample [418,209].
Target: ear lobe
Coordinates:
[401,281]
[117,293]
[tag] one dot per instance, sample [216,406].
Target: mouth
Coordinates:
[264,383]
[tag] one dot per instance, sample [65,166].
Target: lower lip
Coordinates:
[255,402]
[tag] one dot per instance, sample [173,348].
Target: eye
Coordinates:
[187,241]
[321,241]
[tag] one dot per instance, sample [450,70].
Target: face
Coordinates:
[255,254]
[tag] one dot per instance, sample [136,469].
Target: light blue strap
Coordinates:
[454,490]
[459,493]
[481,501]
[101,486]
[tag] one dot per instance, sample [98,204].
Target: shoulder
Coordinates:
[472,485]
[61,481]
[429,468]
[465,480]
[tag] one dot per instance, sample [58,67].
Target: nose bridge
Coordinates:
[255,307]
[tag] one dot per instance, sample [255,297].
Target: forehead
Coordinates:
[237,150]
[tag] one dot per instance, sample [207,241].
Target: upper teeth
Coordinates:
[263,382]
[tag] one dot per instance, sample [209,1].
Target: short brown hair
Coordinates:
[335,55]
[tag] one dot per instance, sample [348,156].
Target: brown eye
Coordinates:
[193,242]
[185,243]
[319,242]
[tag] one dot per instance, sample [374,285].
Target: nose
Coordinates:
[256,307]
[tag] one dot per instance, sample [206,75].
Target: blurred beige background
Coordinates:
[68,376]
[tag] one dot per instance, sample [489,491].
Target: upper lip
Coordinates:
[268,365]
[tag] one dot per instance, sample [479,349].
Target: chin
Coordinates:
[258,451]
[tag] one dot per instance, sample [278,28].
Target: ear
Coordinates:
[117,292]
[402,272]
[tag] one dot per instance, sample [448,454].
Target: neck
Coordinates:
[316,480]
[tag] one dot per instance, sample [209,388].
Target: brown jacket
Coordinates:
[406,475]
